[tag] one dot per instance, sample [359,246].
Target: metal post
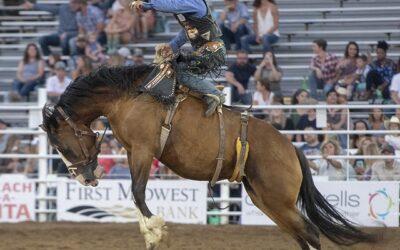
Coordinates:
[35,115]
[43,168]
[228,95]
[224,203]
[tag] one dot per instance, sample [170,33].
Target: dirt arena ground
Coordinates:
[87,236]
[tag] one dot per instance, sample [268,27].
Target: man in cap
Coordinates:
[56,85]
[126,54]
[138,58]
[388,169]
[393,139]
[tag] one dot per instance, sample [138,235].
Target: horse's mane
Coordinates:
[120,79]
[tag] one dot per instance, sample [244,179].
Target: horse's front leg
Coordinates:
[152,227]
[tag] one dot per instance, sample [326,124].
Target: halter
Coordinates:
[89,158]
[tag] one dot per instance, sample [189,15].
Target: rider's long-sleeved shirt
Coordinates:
[197,8]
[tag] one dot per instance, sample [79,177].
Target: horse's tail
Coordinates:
[329,221]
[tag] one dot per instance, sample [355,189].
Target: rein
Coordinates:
[89,158]
[101,139]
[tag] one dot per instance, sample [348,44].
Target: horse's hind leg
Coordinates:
[284,214]
[152,227]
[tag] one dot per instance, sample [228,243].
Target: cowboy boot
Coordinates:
[213,101]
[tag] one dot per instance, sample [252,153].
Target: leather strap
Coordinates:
[79,134]
[238,171]
[221,153]
[167,126]
[244,120]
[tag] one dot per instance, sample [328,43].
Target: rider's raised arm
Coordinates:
[197,8]
[178,41]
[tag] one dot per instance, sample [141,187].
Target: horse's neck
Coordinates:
[98,105]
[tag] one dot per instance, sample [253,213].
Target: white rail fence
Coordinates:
[46,181]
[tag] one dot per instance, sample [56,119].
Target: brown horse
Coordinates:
[277,174]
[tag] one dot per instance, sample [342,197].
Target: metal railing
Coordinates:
[43,155]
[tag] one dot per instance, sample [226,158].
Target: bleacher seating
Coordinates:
[338,21]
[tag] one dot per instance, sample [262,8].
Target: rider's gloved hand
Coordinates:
[164,53]
[140,5]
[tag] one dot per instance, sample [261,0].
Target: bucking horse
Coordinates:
[276,174]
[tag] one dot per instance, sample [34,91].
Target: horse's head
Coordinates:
[75,142]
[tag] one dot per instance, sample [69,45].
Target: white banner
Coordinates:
[178,201]
[17,198]
[369,204]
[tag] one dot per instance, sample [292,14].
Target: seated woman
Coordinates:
[266,26]
[347,68]
[376,121]
[263,96]
[380,76]
[30,73]
[269,70]
[336,118]
[356,139]
[299,97]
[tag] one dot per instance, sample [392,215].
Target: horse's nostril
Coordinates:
[87,181]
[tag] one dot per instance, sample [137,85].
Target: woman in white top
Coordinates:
[263,94]
[266,24]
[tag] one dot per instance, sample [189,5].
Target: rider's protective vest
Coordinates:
[199,31]
[204,35]
[207,59]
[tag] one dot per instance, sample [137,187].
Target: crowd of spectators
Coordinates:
[12,144]
[92,33]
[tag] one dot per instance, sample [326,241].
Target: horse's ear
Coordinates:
[47,111]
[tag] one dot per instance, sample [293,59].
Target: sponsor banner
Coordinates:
[368,204]
[178,201]
[17,198]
